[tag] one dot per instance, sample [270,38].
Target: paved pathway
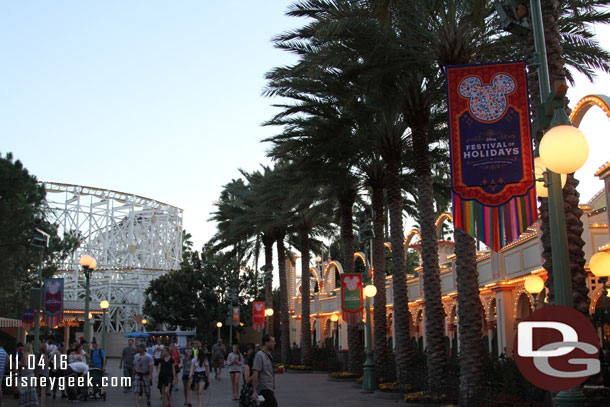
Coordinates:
[293,390]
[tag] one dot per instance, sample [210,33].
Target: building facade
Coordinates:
[501,285]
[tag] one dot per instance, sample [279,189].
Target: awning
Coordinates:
[10,323]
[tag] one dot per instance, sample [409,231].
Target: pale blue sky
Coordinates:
[156,98]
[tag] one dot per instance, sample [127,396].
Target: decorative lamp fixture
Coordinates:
[534,284]
[539,169]
[318,259]
[144,321]
[218,324]
[564,149]
[370,291]
[104,304]
[334,317]
[269,312]
[600,264]
[88,261]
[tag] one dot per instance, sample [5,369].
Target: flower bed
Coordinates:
[425,399]
[342,376]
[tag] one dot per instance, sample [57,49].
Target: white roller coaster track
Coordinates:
[134,240]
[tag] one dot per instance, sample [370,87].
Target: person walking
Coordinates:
[235,361]
[55,364]
[126,362]
[142,374]
[199,375]
[166,375]
[27,391]
[263,379]
[3,356]
[218,358]
[42,370]
[156,350]
[77,354]
[97,357]
[175,354]
[186,369]
[245,397]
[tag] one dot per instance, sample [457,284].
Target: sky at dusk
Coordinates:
[161,99]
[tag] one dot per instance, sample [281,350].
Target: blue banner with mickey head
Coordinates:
[491,151]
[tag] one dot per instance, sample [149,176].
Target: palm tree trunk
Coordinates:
[268,243]
[305,287]
[381,337]
[575,228]
[435,314]
[354,333]
[402,315]
[470,313]
[284,317]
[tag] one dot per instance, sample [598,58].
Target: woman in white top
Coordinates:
[199,375]
[77,355]
[235,361]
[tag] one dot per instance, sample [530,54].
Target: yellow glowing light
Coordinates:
[85,260]
[600,264]
[104,304]
[334,317]
[539,169]
[534,284]
[218,324]
[564,149]
[269,312]
[144,321]
[370,291]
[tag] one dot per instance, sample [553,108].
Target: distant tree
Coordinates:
[23,208]
[196,296]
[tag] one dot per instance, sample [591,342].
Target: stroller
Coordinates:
[96,391]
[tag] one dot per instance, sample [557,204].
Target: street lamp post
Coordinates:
[40,241]
[104,306]
[267,270]
[268,314]
[218,325]
[534,285]
[232,297]
[560,134]
[600,267]
[334,318]
[144,322]
[369,379]
[88,263]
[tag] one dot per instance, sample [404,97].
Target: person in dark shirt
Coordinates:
[166,376]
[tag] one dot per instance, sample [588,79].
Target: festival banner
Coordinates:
[28,319]
[351,298]
[258,315]
[53,301]
[235,316]
[492,170]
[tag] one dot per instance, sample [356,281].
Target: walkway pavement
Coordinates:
[292,390]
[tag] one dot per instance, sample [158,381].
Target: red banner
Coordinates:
[53,301]
[351,298]
[258,315]
[492,173]
[235,316]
